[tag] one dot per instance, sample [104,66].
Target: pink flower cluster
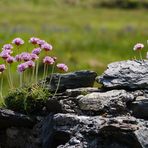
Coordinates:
[26,59]
[23,66]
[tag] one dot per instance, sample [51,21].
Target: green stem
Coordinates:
[51,73]
[57,87]
[36,73]
[140,55]
[46,71]
[10,77]
[33,71]
[21,79]
[1,88]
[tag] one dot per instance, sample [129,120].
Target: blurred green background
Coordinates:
[85,34]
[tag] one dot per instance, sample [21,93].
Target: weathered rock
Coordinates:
[81,91]
[125,74]
[67,102]
[10,118]
[97,132]
[72,80]
[140,107]
[112,102]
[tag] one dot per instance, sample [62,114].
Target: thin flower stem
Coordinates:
[140,55]
[10,77]
[44,71]
[51,73]
[33,71]
[47,67]
[36,73]
[1,88]
[57,87]
[21,79]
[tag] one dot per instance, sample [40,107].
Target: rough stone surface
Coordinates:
[140,107]
[72,80]
[97,132]
[113,101]
[125,74]
[80,116]
[10,118]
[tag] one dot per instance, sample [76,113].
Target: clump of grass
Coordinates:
[27,99]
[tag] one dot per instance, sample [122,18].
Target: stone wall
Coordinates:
[83,116]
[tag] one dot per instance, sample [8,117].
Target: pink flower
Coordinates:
[10,59]
[138,46]
[34,57]
[48,60]
[33,40]
[18,41]
[40,42]
[62,67]
[22,67]
[26,56]
[5,54]
[36,51]
[2,67]
[30,64]
[18,58]
[7,47]
[46,47]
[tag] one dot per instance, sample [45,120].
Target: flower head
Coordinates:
[10,59]
[40,42]
[2,67]
[48,60]
[5,54]
[30,64]
[18,58]
[36,51]
[18,41]
[138,46]
[46,47]
[22,67]
[34,57]
[33,40]
[62,67]
[7,47]
[25,56]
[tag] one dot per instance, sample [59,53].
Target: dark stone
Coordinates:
[140,108]
[125,74]
[97,132]
[10,118]
[72,80]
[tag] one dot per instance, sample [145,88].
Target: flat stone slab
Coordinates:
[78,79]
[125,74]
[113,102]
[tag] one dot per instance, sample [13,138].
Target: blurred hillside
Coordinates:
[86,34]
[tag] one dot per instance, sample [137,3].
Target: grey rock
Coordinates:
[125,74]
[140,107]
[113,102]
[98,132]
[9,118]
[74,141]
[81,91]
[72,80]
